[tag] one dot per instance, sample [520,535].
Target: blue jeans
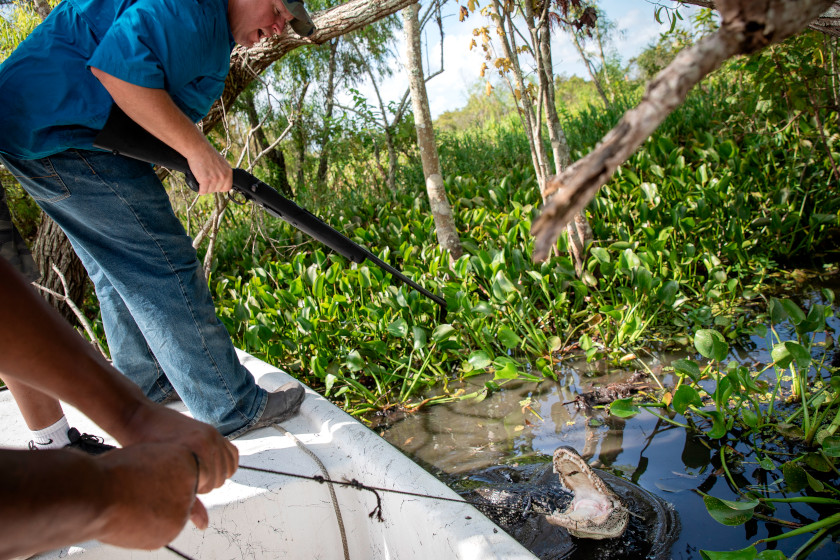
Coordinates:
[157,311]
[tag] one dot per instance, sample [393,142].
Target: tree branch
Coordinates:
[828,22]
[247,63]
[747,26]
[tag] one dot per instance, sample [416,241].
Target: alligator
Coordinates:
[566,510]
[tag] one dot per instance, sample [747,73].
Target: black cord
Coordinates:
[377,511]
[178,552]
[359,486]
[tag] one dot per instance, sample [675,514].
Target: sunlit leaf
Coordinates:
[728,512]
[398,328]
[419,337]
[509,371]
[624,408]
[685,396]
[479,359]
[329,381]
[794,312]
[443,332]
[508,338]
[601,254]
[687,367]
[711,345]
[354,361]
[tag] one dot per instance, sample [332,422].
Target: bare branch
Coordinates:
[73,307]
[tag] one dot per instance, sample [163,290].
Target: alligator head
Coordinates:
[595,512]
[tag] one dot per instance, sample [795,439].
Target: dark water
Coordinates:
[526,422]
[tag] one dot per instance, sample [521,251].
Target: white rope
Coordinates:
[326,475]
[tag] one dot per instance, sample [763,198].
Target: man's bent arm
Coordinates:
[138,497]
[38,348]
[154,110]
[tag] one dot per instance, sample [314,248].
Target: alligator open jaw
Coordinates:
[595,512]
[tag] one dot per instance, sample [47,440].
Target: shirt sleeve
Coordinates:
[153,44]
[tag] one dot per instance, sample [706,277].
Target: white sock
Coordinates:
[52,437]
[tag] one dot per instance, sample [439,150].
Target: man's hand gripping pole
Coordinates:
[123,136]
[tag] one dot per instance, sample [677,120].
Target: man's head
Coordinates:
[251,21]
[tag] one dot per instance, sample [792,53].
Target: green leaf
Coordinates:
[419,337]
[241,313]
[795,476]
[398,328]
[687,367]
[718,425]
[667,294]
[685,396]
[624,408]
[443,332]
[777,311]
[771,555]
[749,417]
[329,381]
[305,325]
[601,254]
[800,354]
[794,311]
[508,371]
[354,361]
[790,431]
[508,338]
[727,512]
[815,484]
[831,446]
[502,286]
[781,355]
[817,462]
[480,359]
[711,345]
[483,307]
[748,553]
[789,351]
[767,464]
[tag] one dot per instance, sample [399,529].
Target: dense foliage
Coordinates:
[729,202]
[709,215]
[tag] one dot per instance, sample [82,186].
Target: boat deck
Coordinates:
[261,515]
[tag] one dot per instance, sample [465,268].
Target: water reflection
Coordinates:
[526,422]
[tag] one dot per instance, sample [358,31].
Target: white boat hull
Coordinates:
[258,515]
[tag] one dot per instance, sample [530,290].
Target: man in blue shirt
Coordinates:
[164,63]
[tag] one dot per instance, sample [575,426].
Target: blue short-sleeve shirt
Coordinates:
[52,102]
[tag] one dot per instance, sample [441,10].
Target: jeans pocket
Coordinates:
[39,178]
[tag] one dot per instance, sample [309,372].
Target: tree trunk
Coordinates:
[530,120]
[603,58]
[42,8]
[52,248]
[590,68]
[579,233]
[300,139]
[275,156]
[325,135]
[556,135]
[441,210]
